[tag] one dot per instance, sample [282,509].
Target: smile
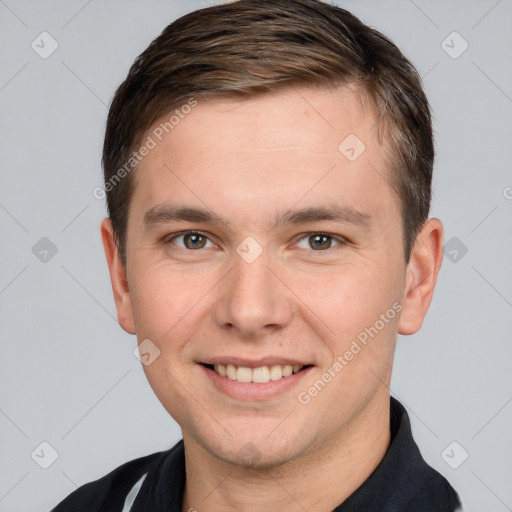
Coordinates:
[259,375]
[262,379]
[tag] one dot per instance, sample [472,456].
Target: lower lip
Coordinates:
[253,390]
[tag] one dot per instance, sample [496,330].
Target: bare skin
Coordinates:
[318,283]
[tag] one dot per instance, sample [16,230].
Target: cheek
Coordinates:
[360,305]
[166,299]
[167,307]
[351,297]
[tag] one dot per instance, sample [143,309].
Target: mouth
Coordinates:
[258,375]
[259,379]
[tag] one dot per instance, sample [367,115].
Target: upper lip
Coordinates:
[255,363]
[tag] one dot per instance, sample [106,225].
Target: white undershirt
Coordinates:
[130,498]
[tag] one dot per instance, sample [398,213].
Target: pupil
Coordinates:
[194,241]
[320,242]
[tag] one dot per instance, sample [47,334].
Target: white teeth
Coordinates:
[276,372]
[261,375]
[243,374]
[258,375]
[231,372]
[287,370]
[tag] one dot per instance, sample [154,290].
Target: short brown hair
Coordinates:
[251,47]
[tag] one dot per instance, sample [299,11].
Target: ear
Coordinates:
[118,278]
[421,276]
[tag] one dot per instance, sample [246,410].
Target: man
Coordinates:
[268,171]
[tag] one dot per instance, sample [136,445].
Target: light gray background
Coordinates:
[68,374]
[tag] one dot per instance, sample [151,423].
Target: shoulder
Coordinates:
[435,494]
[110,491]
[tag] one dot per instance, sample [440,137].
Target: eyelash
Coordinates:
[336,238]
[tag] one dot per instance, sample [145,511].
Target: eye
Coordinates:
[191,240]
[318,241]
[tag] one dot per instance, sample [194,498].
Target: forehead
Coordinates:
[304,118]
[273,149]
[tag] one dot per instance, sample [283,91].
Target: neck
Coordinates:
[341,464]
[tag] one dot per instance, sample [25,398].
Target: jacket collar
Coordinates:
[397,480]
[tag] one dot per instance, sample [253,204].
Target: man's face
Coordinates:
[296,250]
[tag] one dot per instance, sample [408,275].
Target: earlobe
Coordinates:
[118,278]
[421,276]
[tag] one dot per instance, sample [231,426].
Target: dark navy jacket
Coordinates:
[402,482]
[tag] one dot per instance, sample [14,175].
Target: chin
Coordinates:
[257,457]
[266,453]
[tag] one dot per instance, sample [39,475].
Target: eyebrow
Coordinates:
[334,213]
[167,213]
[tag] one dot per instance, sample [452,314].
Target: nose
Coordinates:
[252,301]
